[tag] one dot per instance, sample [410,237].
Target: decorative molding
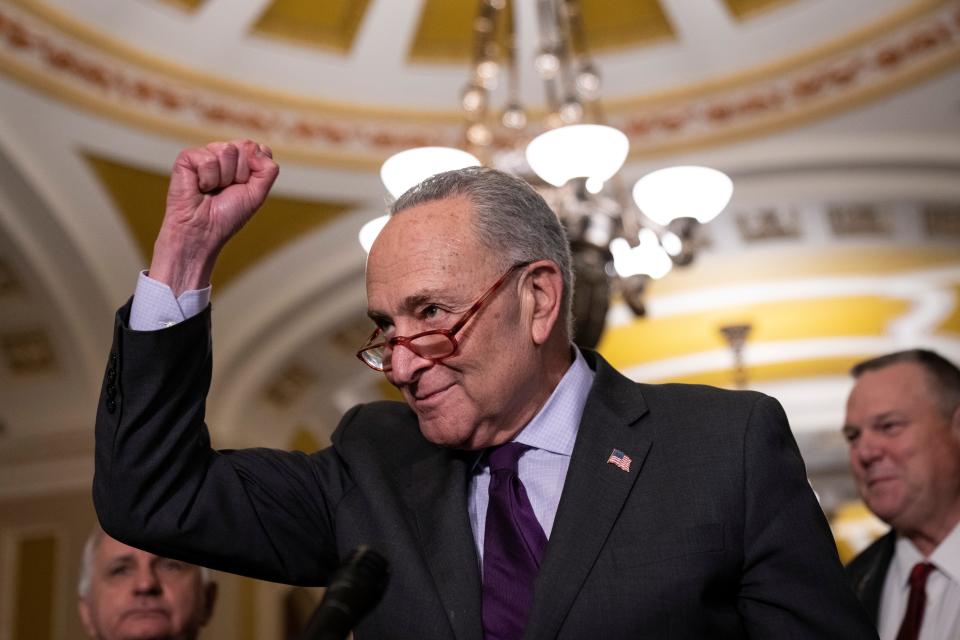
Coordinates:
[50,52]
[858,219]
[769,223]
[941,220]
[28,352]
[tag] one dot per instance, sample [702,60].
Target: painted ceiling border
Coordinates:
[34,51]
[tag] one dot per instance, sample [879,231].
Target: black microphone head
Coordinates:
[355,588]
[362,577]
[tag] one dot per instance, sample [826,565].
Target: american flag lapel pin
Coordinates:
[620,460]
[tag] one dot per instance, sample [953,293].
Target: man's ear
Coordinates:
[210,592]
[546,291]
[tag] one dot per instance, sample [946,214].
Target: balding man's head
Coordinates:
[129,594]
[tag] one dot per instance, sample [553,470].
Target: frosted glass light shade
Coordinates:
[412,166]
[683,192]
[647,258]
[370,231]
[590,151]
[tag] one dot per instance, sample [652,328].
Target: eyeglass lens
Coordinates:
[432,345]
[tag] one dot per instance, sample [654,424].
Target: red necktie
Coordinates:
[913,618]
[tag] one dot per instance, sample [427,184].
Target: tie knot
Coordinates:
[505,456]
[919,574]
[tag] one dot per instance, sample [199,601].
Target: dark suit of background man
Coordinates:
[903,427]
[671,511]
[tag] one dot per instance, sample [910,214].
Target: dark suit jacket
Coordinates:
[868,571]
[713,533]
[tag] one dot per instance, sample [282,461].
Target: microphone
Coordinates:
[356,587]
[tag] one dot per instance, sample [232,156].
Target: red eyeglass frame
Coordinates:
[450,334]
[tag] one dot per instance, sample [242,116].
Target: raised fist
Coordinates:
[213,191]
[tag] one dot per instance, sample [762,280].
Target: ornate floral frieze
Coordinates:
[72,64]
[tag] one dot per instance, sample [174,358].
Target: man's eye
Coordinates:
[431,311]
[172,565]
[850,435]
[118,570]
[888,427]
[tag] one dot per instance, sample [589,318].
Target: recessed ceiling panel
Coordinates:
[745,8]
[444,32]
[612,24]
[331,24]
[186,5]
[140,195]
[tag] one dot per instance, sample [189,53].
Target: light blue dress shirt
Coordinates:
[543,468]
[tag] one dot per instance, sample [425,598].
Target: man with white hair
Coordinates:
[129,594]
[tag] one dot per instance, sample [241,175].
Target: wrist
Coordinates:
[182,263]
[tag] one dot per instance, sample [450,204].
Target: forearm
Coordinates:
[181,261]
[159,485]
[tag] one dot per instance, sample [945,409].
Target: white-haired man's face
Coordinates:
[135,595]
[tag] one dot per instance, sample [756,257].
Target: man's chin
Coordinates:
[146,627]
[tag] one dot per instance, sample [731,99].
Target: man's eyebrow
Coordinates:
[887,415]
[413,301]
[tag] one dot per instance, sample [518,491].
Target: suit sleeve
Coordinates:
[158,485]
[793,584]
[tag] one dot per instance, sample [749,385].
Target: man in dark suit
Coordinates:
[903,428]
[525,488]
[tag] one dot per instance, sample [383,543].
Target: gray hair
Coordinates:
[510,218]
[944,374]
[90,552]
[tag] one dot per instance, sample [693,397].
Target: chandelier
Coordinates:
[573,158]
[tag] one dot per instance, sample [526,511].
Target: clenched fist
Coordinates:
[213,191]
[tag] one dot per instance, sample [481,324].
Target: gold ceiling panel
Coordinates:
[445,30]
[187,5]
[952,323]
[331,24]
[613,24]
[139,196]
[747,8]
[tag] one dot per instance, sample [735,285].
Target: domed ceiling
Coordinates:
[839,121]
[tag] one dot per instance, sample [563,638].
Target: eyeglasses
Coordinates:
[434,345]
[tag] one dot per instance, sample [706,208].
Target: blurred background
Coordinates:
[838,122]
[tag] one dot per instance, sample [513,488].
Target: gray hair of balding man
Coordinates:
[90,552]
[944,374]
[510,218]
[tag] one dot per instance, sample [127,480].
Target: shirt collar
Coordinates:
[946,557]
[555,426]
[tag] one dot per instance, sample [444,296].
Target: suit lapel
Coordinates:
[593,494]
[870,585]
[437,491]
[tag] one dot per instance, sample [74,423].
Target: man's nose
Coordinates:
[147,582]
[867,449]
[405,365]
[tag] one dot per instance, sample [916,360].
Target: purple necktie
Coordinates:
[513,546]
